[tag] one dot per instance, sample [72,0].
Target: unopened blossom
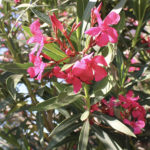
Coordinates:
[38,68]
[104,33]
[56,23]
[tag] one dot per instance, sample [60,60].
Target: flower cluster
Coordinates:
[131,112]
[87,69]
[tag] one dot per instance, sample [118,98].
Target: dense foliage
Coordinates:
[74,74]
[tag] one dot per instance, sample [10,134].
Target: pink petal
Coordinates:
[137,130]
[58,73]
[112,35]
[126,121]
[99,20]
[100,73]
[140,124]
[77,85]
[33,51]
[99,59]
[33,71]
[112,18]
[82,71]
[71,79]
[35,27]
[41,47]
[93,31]
[102,39]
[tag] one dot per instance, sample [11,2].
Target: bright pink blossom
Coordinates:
[85,70]
[132,113]
[95,107]
[17,1]
[137,125]
[104,33]
[38,68]
[37,38]
[88,68]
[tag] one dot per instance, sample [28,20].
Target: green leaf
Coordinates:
[11,83]
[45,18]
[27,30]
[121,23]
[87,14]
[66,66]
[84,136]
[56,102]
[105,138]
[119,6]
[40,126]
[16,108]
[85,115]
[102,87]
[53,51]
[115,124]
[10,139]
[139,7]
[81,5]
[17,68]
[63,130]
[65,124]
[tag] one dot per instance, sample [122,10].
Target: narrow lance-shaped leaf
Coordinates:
[45,18]
[17,68]
[56,102]
[84,136]
[119,6]
[105,138]
[115,124]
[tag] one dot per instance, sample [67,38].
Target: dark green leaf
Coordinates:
[17,68]
[63,130]
[45,18]
[84,136]
[56,102]
[65,124]
[119,6]
[11,83]
[105,138]
[115,124]
[40,126]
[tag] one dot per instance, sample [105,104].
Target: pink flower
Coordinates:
[89,68]
[85,70]
[104,33]
[137,125]
[94,108]
[76,82]
[38,68]
[108,106]
[37,38]
[17,1]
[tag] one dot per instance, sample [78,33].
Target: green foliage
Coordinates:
[47,114]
